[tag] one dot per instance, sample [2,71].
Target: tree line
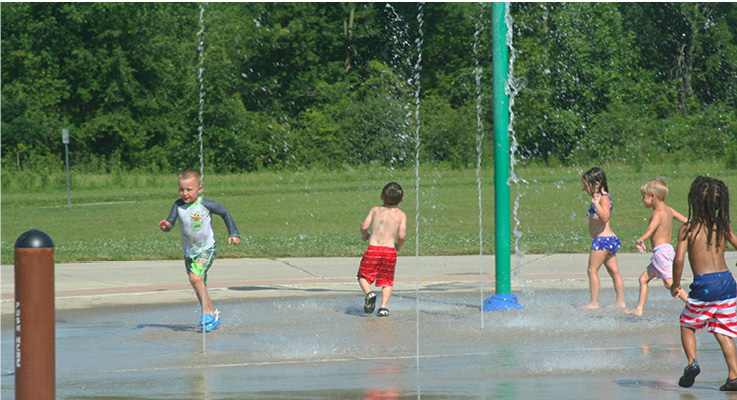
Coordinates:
[298,85]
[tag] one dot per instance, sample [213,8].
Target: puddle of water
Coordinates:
[325,346]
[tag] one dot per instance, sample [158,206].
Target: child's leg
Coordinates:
[596,258]
[668,282]
[200,289]
[365,286]
[370,299]
[730,353]
[386,292]
[692,370]
[645,279]
[611,266]
[688,340]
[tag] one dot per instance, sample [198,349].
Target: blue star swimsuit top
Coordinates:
[592,209]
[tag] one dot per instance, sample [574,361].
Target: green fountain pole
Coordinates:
[501,148]
[503,300]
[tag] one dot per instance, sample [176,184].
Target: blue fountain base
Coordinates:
[502,302]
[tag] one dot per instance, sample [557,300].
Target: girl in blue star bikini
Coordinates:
[605,244]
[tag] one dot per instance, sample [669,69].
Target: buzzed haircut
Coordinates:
[656,186]
[392,194]
[189,174]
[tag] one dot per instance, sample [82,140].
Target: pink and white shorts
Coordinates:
[661,263]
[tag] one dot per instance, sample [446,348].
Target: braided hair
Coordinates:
[595,175]
[708,206]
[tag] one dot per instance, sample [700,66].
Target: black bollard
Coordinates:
[35,354]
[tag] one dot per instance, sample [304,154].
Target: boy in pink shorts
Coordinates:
[659,232]
[712,301]
[386,223]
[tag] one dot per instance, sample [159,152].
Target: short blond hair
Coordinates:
[189,174]
[656,186]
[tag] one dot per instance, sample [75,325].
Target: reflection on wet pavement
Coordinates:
[325,346]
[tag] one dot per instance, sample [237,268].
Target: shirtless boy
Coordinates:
[659,231]
[713,296]
[386,223]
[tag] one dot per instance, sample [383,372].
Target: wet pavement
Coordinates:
[283,340]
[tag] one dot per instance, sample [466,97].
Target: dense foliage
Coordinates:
[293,85]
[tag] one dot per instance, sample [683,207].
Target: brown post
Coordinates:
[35,354]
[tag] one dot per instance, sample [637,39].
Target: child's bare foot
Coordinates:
[590,306]
[635,311]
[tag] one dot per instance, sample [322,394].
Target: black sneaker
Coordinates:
[370,303]
[383,312]
[689,374]
[730,386]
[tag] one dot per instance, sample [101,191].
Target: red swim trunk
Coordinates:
[377,265]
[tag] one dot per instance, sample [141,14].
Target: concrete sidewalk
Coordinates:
[82,285]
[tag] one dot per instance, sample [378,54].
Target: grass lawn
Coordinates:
[318,213]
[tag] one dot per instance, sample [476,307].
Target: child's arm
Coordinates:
[234,236]
[678,262]
[402,235]
[168,223]
[732,237]
[365,235]
[678,216]
[655,220]
[602,204]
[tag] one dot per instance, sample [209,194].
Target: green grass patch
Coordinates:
[319,213]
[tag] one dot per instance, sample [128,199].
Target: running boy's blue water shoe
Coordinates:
[206,319]
[214,321]
[209,321]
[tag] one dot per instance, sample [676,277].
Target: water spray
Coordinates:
[201,49]
[479,149]
[416,82]
[514,85]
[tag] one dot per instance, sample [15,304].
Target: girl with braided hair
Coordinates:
[712,300]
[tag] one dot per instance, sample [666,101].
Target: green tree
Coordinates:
[580,61]
[292,85]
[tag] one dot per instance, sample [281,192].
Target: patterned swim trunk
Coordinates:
[661,263]
[711,304]
[377,265]
[201,263]
[609,243]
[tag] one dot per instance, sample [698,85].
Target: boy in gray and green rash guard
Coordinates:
[198,239]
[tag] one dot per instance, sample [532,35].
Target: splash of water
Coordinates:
[401,62]
[512,87]
[416,82]
[477,71]
[201,49]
